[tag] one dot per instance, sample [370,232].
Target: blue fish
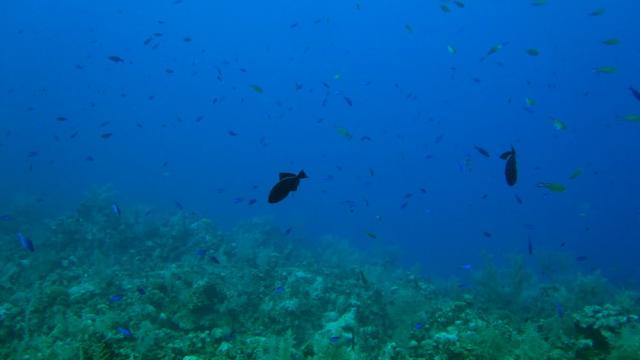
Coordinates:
[26,243]
[334,339]
[124,331]
[6,217]
[279,290]
[419,326]
[116,298]
[559,310]
[116,209]
[141,291]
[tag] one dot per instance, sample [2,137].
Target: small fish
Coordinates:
[26,243]
[89,158]
[559,310]
[141,291]
[288,231]
[581,258]
[466,267]
[575,174]
[232,133]
[363,278]
[348,101]
[530,246]
[294,25]
[635,93]
[252,201]
[106,136]
[178,205]
[115,58]
[559,124]
[214,259]
[116,209]
[529,102]
[287,183]
[418,326]
[494,49]
[553,187]
[334,339]
[116,298]
[598,12]
[487,234]
[187,39]
[124,331]
[279,290]
[631,118]
[482,151]
[256,88]
[344,132]
[61,118]
[606,70]
[533,52]
[518,199]
[610,42]
[372,235]
[445,8]
[147,41]
[452,50]
[6,217]
[511,168]
[408,28]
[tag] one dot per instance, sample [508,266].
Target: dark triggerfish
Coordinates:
[510,169]
[288,182]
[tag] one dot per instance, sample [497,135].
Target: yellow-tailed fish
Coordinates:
[611,42]
[256,88]
[553,187]
[606,70]
[559,124]
[577,172]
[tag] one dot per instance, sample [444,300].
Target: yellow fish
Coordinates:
[553,187]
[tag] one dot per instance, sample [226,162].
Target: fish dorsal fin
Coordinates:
[284,175]
[302,175]
[506,155]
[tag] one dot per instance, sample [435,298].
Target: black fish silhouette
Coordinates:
[288,182]
[511,168]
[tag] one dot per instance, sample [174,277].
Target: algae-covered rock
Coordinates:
[601,325]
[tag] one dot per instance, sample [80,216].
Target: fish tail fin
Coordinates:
[302,175]
[506,155]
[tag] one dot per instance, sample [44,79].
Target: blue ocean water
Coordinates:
[197,106]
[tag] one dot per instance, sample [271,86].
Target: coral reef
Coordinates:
[129,286]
